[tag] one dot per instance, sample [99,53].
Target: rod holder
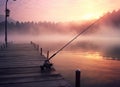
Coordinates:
[47,66]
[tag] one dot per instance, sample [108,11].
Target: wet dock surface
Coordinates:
[20,67]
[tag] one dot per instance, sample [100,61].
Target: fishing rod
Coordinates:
[84,30]
[47,64]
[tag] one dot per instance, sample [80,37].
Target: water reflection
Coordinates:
[96,72]
[113,53]
[107,51]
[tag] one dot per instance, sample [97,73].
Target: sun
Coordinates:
[90,16]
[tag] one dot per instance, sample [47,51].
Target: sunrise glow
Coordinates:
[90,16]
[92,55]
[59,10]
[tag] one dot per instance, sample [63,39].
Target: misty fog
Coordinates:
[103,37]
[105,40]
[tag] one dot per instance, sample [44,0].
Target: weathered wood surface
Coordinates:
[20,67]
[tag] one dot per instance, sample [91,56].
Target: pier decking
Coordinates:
[20,67]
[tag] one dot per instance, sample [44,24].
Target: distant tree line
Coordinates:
[112,18]
[31,27]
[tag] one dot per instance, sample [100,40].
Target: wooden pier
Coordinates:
[20,67]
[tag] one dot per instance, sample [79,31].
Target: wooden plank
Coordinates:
[29,78]
[51,83]
[28,75]
[20,70]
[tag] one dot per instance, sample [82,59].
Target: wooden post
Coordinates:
[38,47]
[1,47]
[31,42]
[4,46]
[47,54]
[78,76]
[41,51]
[35,46]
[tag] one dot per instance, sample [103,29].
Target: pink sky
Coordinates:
[59,10]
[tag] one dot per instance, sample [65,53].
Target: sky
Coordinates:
[58,10]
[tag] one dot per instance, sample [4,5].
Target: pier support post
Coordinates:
[31,42]
[1,47]
[41,51]
[38,47]
[47,54]
[77,78]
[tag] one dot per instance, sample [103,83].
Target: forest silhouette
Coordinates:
[36,28]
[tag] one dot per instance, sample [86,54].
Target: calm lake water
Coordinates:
[96,70]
